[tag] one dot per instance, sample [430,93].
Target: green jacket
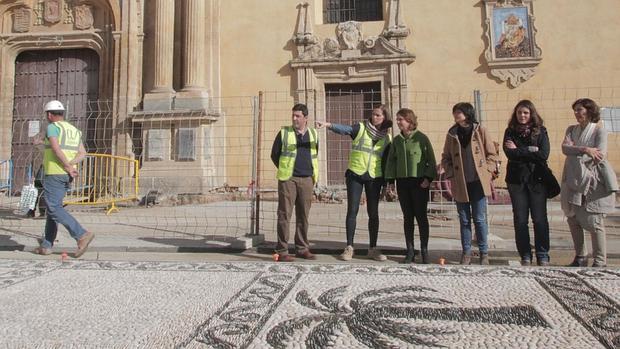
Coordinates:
[411,157]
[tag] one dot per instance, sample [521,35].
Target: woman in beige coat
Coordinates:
[469,159]
[588,182]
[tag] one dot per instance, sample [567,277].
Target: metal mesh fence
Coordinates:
[198,171]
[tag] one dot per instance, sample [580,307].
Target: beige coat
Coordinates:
[484,155]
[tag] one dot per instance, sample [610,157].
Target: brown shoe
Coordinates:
[83,243]
[466,259]
[306,254]
[286,258]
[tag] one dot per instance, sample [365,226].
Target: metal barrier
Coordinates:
[104,180]
[6,176]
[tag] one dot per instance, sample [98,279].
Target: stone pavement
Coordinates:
[253,303]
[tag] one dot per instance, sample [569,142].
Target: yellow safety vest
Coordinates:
[365,156]
[286,164]
[69,141]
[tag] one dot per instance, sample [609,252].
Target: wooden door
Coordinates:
[70,76]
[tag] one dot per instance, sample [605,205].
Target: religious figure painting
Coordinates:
[511,33]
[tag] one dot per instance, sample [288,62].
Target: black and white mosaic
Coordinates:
[262,305]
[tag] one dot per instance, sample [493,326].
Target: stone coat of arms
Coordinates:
[350,33]
[21,20]
[84,18]
[52,11]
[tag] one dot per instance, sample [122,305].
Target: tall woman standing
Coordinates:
[468,159]
[588,182]
[411,162]
[526,145]
[371,140]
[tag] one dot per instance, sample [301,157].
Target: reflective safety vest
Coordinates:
[69,141]
[286,164]
[366,157]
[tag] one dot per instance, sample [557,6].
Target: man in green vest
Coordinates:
[63,150]
[294,153]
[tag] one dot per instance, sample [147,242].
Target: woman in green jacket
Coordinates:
[411,162]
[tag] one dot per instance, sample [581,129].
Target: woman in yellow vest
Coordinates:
[371,140]
[411,162]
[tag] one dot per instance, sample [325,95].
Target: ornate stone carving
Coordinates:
[52,11]
[331,48]
[21,20]
[350,33]
[84,18]
[396,28]
[511,53]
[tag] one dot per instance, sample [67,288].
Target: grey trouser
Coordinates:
[295,192]
[593,223]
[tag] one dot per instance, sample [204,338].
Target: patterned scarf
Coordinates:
[523,131]
[373,132]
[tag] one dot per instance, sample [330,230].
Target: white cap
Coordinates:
[54,106]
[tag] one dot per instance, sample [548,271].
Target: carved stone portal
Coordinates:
[512,53]
[21,20]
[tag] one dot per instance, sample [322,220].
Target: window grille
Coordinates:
[611,118]
[337,11]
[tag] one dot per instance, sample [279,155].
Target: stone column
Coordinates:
[194,94]
[161,95]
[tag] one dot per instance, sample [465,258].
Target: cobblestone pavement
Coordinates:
[120,304]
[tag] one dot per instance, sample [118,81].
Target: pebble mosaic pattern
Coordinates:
[263,305]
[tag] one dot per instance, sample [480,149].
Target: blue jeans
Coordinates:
[54,189]
[476,208]
[355,185]
[530,199]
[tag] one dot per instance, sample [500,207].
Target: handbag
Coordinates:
[543,174]
[28,199]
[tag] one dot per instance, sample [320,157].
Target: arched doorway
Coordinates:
[71,76]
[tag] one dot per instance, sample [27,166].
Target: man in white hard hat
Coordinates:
[63,150]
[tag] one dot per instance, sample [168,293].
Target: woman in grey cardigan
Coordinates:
[588,182]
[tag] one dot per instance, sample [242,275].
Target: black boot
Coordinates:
[424,253]
[409,258]
[579,261]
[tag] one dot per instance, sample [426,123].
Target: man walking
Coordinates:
[294,152]
[63,150]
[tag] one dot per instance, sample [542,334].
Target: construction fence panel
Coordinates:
[170,177]
[434,112]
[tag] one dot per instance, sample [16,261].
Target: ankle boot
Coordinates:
[579,261]
[409,258]
[424,253]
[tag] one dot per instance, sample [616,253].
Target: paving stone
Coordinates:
[259,305]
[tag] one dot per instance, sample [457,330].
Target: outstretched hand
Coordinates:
[322,124]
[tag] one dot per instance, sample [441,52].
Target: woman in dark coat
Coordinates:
[526,145]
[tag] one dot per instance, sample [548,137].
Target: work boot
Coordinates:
[484,259]
[466,259]
[83,243]
[347,254]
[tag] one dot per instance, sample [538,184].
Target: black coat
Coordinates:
[522,161]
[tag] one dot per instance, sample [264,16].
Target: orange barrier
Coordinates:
[104,180]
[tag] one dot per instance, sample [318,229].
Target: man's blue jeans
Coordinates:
[476,209]
[54,189]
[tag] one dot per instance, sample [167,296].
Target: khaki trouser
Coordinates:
[593,223]
[295,192]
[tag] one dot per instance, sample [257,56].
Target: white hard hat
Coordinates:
[54,106]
